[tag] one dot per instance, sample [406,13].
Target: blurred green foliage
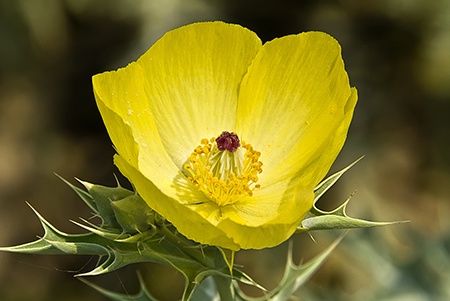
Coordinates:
[397,54]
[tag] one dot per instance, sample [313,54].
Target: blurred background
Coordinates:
[397,54]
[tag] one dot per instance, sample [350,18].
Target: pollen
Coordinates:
[224,169]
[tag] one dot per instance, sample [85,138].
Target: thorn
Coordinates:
[117,180]
[312,237]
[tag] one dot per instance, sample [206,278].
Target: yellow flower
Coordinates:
[225,137]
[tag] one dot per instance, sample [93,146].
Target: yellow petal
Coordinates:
[318,167]
[292,102]
[192,78]
[269,217]
[123,105]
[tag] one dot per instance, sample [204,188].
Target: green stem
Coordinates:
[224,288]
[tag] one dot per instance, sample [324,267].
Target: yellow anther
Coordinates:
[224,176]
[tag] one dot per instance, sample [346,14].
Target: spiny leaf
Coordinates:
[207,291]
[113,234]
[328,183]
[318,219]
[337,219]
[242,277]
[164,247]
[85,196]
[294,276]
[49,243]
[142,295]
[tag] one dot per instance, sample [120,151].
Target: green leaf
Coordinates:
[113,234]
[142,295]
[86,197]
[329,182]
[294,276]
[207,291]
[337,219]
[164,247]
[242,277]
[318,219]
[53,241]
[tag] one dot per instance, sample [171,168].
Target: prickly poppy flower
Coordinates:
[225,137]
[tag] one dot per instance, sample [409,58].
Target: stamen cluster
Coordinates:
[223,175]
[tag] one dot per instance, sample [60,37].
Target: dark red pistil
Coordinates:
[228,141]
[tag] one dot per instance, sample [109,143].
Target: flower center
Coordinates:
[224,169]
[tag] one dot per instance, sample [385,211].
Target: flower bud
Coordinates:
[121,208]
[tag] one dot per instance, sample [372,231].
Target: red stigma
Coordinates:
[228,141]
